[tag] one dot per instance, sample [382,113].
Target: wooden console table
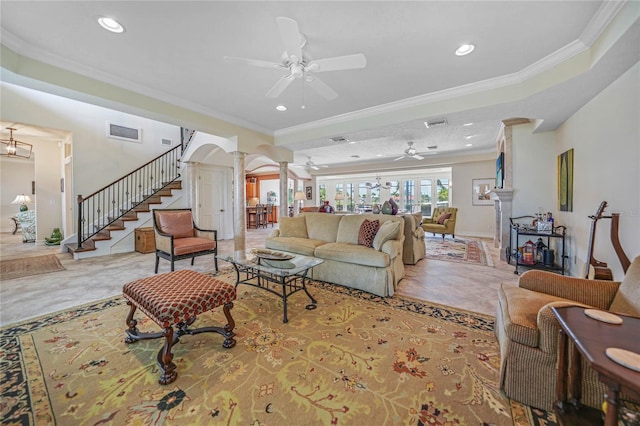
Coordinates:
[592,337]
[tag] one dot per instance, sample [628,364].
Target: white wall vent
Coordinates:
[124,133]
[436,122]
[167,142]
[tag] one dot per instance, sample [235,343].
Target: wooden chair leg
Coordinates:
[157,262]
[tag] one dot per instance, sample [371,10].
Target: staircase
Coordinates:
[107,218]
[106,241]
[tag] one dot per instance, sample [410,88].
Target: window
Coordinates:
[425,197]
[322,193]
[409,195]
[443,192]
[349,190]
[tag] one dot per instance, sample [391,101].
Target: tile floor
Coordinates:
[470,287]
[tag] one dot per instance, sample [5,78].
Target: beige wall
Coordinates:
[472,220]
[605,136]
[16,176]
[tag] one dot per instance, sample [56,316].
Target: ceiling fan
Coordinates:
[410,152]
[299,64]
[309,165]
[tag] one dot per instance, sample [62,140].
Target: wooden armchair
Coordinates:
[177,237]
[527,330]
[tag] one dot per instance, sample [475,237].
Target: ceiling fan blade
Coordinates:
[279,87]
[314,167]
[418,157]
[399,158]
[252,62]
[347,62]
[321,87]
[290,35]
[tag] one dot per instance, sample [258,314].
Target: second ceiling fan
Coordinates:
[298,63]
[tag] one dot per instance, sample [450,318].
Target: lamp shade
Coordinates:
[22,200]
[339,197]
[299,196]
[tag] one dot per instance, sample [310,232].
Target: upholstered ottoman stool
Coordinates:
[173,300]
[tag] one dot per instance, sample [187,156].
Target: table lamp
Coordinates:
[300,197]
[339,198]
[22,200]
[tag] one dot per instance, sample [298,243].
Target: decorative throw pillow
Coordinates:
[388,231]
[443,217]
[293,226]
[368,231]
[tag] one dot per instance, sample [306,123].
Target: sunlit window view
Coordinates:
[420,191]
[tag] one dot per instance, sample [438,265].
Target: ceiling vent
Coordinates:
[432,147]
[339,139]
[124,133]
[436,123]
[167,142]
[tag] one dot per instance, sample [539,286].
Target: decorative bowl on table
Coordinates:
[275,259]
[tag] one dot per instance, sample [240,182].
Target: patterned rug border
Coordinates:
[11,334]
[462,317]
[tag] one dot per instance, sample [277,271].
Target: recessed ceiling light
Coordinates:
[469,144]
[378,155]
[468,136]
[468,124]
[352,142]
[110,24]
[465,49]
[281,108]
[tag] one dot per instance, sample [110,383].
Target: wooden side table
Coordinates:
[145,240]
[591,338]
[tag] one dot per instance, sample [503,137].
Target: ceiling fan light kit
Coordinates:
[298,64]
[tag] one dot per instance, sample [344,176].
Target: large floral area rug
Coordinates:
[461,250]
[357,359]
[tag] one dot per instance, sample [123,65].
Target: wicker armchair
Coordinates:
[177,237]
[528,331]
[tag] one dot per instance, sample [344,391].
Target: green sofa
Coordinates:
[334,238]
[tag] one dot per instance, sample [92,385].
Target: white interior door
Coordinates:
[212,201]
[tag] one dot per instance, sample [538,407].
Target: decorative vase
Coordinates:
[394,206]
[375,209]
[386,208]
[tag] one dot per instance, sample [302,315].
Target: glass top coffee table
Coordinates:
[282,275]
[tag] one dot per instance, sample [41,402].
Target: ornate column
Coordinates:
[284,195]
[239,197]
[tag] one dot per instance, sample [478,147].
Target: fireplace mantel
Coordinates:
[503,198]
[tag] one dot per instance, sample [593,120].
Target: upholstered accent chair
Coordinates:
[440,223]
[27,221]
[414,247]
[528,331]
[177,237]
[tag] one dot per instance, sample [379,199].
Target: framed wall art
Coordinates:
[565,181]
[481,191]
[309,192]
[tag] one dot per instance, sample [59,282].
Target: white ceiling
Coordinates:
[173,51]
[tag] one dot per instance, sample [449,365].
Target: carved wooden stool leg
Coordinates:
[132,330]
[229,335]
[165,358]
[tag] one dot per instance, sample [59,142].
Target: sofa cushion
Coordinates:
[368,231]
[322,226]
[349,228]
[303,246]
[293,227]
[520,312]
[443,217]
[178,223]
[353,253]
[192,245]
[388,231]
